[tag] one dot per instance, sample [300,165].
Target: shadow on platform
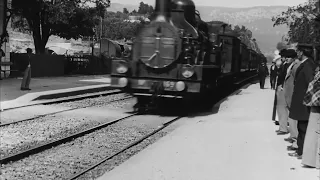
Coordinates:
[197,109]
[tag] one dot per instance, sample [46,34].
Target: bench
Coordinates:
[7,64]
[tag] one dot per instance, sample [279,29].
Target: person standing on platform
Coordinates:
[288,91]
[273,75]
[27,73]
[298,111]
[263,73]
[280,93]
[311,149]
[2,54]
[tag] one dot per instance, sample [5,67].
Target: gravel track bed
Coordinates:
[22,136]
[87,94]
[124,104]
[18,137]
[97,101]
[63,161]
[117,160]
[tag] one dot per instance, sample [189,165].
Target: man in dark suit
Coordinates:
[27,73]
[298,111]
[273,75]
[263,73]
[2,54]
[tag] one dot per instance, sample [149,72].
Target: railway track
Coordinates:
[61,111]
[51,145]
[79,172]
[65,99]
[164,125]
[140,140]
[40,148]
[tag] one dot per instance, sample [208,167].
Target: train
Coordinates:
[175,57]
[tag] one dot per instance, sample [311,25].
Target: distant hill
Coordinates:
[257,19]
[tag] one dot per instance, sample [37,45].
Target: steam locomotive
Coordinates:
[175,57]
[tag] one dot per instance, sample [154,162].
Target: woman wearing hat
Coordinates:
[311,149]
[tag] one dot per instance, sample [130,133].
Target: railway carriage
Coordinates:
[175,57]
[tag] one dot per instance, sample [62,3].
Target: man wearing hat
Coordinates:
[281,102]
[298,111]
[273,75]
[263,73]
[288,91]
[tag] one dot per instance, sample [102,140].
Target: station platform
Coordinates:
[238,142]
[10,87]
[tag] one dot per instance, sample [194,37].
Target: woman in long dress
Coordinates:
[311,149]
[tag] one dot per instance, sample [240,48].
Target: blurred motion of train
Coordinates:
[109,48]
[176,57]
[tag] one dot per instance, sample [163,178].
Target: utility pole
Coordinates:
[101,21]
[3,20]
[318,10]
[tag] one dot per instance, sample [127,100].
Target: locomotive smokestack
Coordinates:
[163,10]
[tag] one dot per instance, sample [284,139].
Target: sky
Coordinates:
[226,3]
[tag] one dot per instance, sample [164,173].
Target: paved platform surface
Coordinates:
[237,143]
[10,88]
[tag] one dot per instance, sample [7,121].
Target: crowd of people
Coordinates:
[295,77]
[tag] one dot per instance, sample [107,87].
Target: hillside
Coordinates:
[257,19]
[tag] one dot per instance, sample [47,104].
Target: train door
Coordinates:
[236,58]
[226,53]
[244,58]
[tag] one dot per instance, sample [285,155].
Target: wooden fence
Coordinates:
[58,65]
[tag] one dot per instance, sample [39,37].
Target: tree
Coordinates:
[116,26]
[281,45]
[237,29]
[65,18]
[302,23]
[125,11]
[134,12]
[270,57]
[145,9]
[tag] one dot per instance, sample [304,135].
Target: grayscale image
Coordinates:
[159,90]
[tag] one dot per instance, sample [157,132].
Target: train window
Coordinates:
[226,58]
[227,40]
[213,37]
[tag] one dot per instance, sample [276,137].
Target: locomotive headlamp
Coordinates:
[123,82]
[180,86]
[187,71]
[122,67]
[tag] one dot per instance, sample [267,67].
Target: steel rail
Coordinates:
[125,148]
[43,115]
[40,148]
[147,136]
[64,99]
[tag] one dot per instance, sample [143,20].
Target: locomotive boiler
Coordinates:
[175,57]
